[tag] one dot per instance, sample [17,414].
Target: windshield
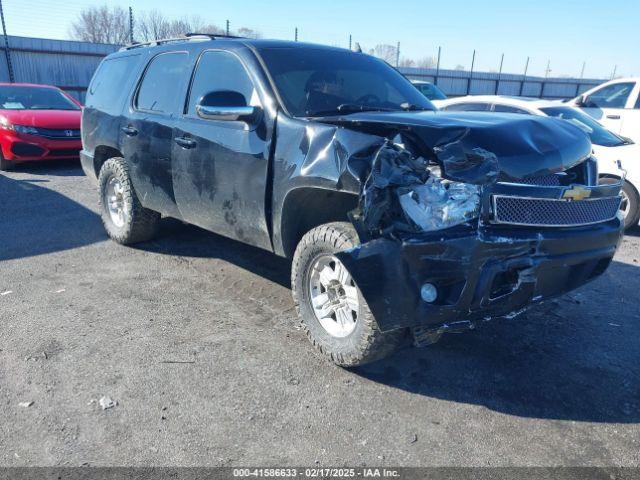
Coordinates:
[34,98]
[316,82]
[598,134]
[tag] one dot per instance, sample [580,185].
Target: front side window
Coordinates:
[597,133]
[431,91]
[217,71]
[157,92]
[319,81]
[508,109]
[611,96]
[34,98]
[468,107]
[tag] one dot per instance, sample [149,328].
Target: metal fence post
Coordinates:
[435,80]
[131,25]
[499,74]
[7,50]
[524,77]
[473,61]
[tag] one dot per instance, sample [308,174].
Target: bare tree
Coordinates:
[426,62]
[101,25]
[407,62]
[386,52]
[249,33]
[152,25]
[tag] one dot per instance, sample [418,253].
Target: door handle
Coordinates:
[185,142]
[130,131]
[613,117]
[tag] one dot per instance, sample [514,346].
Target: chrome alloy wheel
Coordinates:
[625,204]
[114,201]
[333,296]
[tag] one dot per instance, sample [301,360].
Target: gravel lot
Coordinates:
[196,338]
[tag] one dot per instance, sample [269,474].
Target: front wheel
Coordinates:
[630,204]
[332,310]
[124,218]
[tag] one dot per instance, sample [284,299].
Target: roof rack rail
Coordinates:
[187,37]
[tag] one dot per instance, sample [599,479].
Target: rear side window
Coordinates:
[468,107]
[218,70]
[108,87]
[161,81]
[508,109]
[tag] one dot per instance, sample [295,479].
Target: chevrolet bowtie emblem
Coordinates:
[576,193]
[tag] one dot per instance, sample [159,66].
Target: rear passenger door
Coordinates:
[220,167]
[146,132]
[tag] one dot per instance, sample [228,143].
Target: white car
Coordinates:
[429,90]
[615,104]
[608,147]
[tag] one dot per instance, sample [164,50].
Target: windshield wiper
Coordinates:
[410,107]
[348,108]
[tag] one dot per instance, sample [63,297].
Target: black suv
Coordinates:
[399,219]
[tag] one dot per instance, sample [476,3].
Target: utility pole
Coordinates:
[296,35]
[473,61]
[524,77]
[499,74]
[228,29]
[398,55]
[130,25]
[435,80]
[7,51]
[548,70]
[615,69]
[350,39]
[584,64]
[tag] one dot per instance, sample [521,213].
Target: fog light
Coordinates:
[429,292]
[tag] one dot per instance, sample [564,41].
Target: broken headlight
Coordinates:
[439,203]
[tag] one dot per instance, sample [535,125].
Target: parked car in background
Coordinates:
[399,220]
[608,147]
[429,90]
[37,122]
[615,104]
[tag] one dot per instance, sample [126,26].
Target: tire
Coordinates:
[631,202]
[135,223]
[5,165]
[362,341]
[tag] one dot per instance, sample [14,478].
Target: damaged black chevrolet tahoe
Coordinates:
[401,222]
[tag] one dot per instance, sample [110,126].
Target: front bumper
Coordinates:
[24,148]
[483,270]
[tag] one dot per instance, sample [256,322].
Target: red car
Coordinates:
[37,122]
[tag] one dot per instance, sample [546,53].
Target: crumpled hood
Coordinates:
[524,145]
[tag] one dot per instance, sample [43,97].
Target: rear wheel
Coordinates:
[124,218]
[630,205]
[332,310]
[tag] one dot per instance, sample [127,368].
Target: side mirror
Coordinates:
[580,101]
[226,105]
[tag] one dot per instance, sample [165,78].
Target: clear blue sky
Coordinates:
[604,33]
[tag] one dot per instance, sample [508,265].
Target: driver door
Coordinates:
[220,167]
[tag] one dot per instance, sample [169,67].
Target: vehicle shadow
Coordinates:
[35,220]
[51,168]
[178,238]
[574,358]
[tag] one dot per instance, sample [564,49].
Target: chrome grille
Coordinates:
[553,213]
[62,134]
[551,180]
